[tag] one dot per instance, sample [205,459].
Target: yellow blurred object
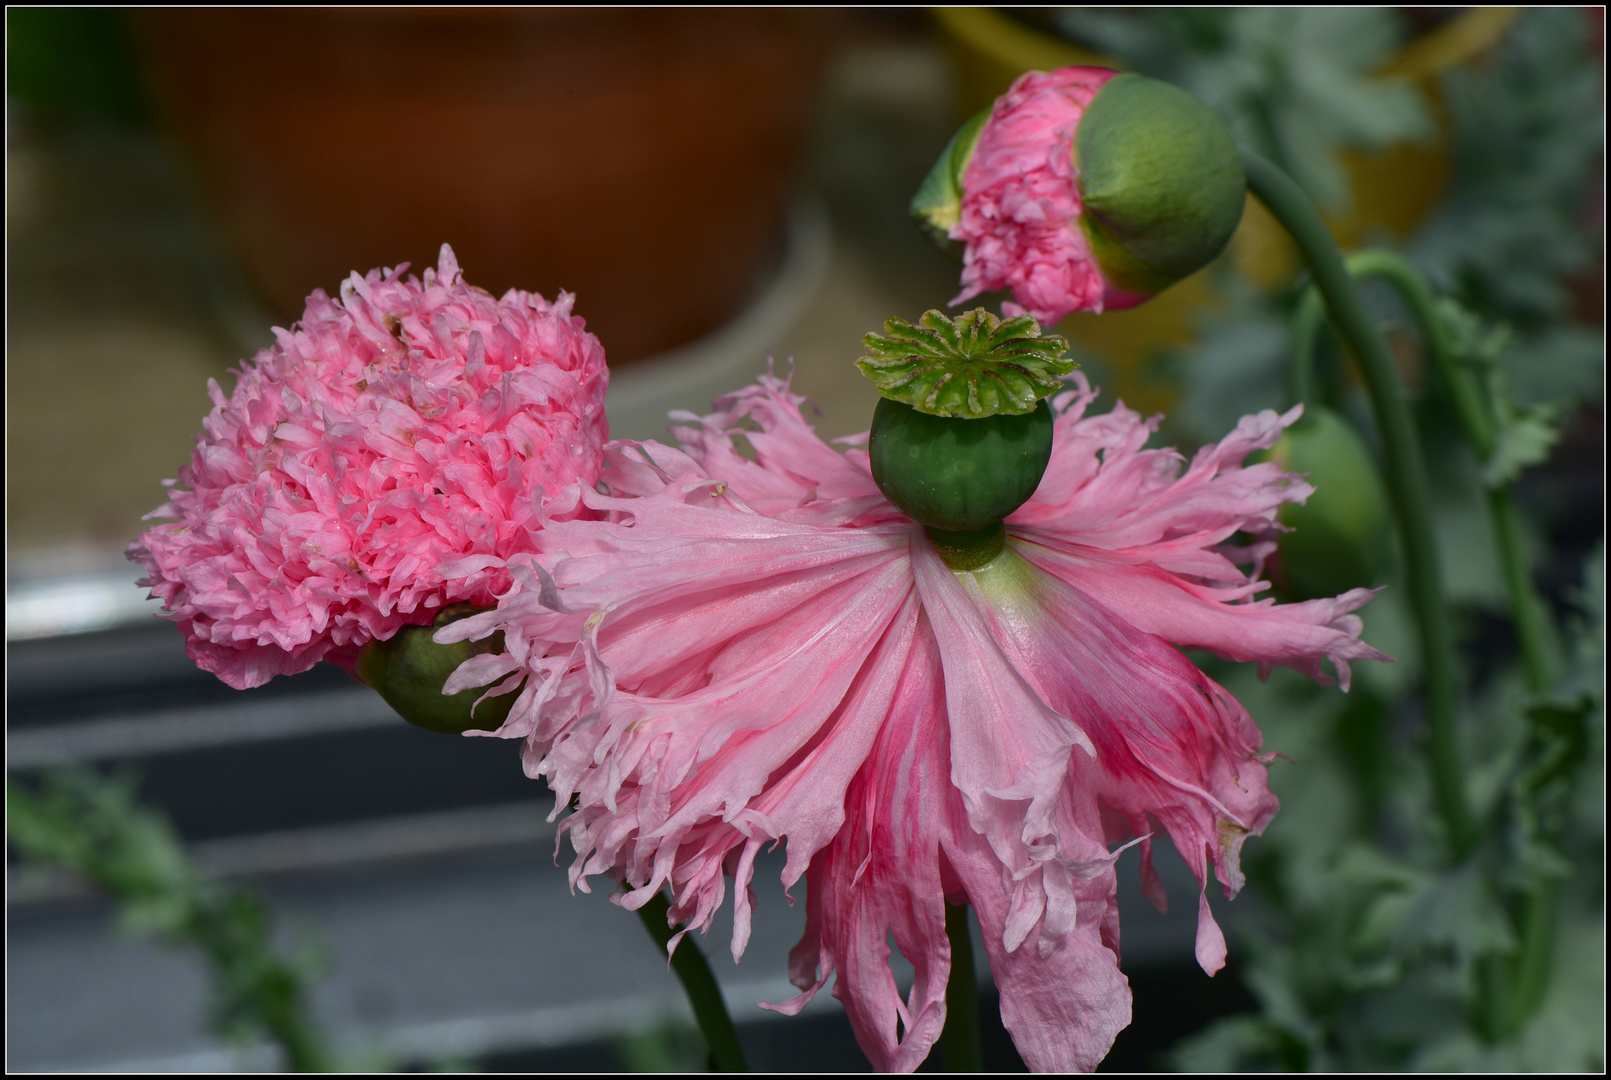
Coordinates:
[990,50]
[1393,189]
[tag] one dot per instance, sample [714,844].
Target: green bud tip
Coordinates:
[970,367]
[938,203]
[1160,182]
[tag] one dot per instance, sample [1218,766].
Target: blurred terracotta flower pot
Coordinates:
[641,158]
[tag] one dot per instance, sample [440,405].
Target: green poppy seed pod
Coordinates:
[1341,535]
[956,474]
[409,670]
[1160,181]
[963,434]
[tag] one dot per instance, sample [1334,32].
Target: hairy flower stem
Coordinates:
[1406,476]
[959,1042]
[704,996]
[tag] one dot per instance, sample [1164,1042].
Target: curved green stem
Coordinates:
[1537,949]
[1528,611]
[1462,386]
[710,1011]
[1527,608]
[1510,988]
[1306,324]
[1514,988]
[959,1041]
[1406,475]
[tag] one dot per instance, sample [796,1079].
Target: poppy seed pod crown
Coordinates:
[963,433]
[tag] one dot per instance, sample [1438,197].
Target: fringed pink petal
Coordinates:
[1103,490]
[1291,635]
[792,465]
[1063,1007]
[1210,949]
[722,652]
[881,875]
[1010,775]
[1169,742]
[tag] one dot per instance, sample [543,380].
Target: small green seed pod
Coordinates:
[1340,538]
[409,670]
[956,474]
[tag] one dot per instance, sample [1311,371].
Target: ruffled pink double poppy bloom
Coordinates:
[404,425]
[730,652]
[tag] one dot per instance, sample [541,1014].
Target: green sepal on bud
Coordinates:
[1160,181]
[974,366]
[1341,536]
[409,669]
[938,203]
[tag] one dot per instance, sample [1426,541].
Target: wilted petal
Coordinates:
[1064,1008]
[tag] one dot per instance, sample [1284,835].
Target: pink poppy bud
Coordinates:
[1084,190]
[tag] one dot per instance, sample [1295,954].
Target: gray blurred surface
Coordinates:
[458,958]
[448,931]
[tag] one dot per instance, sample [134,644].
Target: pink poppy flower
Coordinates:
[739,652]
[404,425]
[1083,189]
